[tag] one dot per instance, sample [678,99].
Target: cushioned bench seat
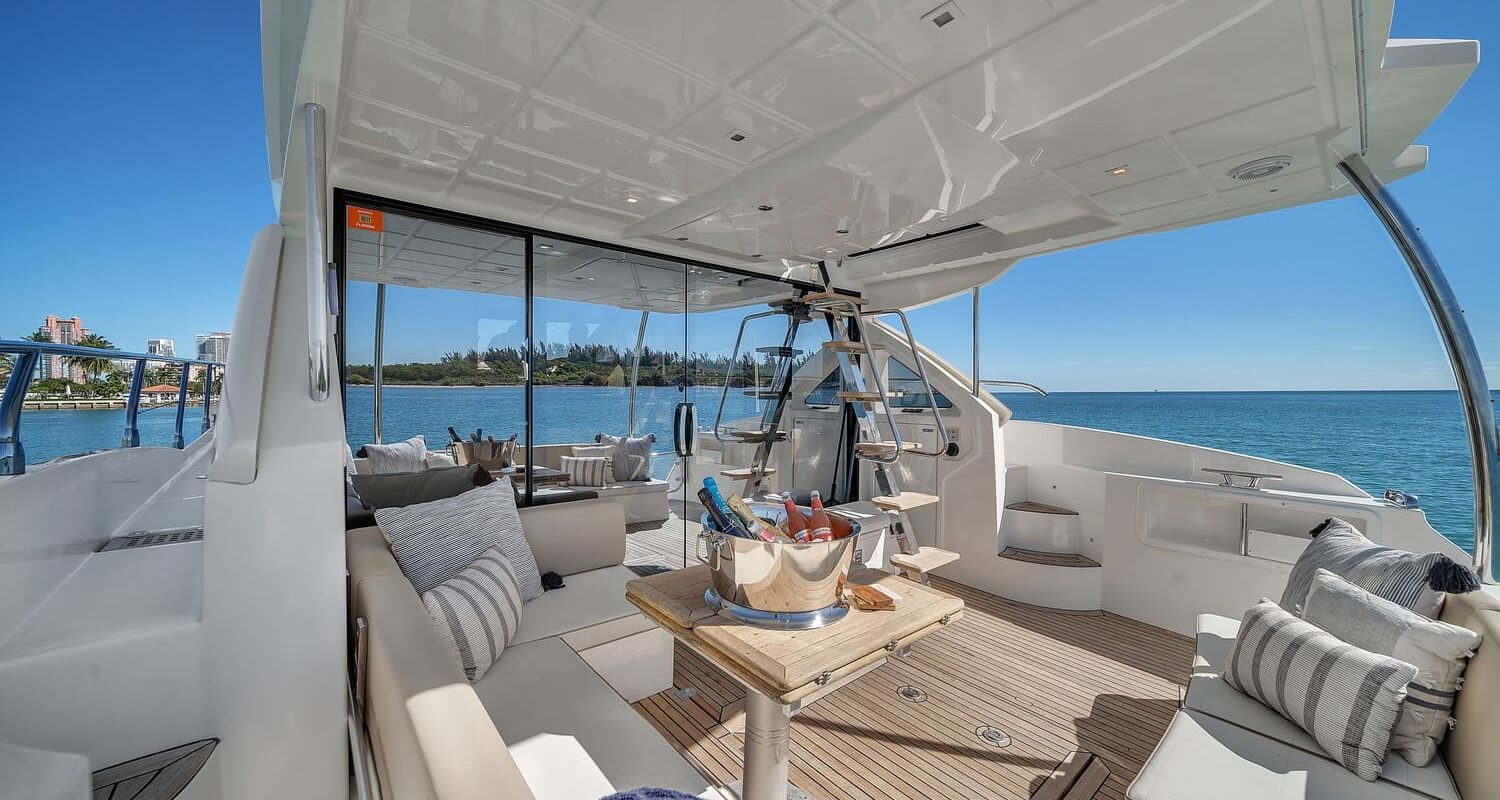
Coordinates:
[1210,695]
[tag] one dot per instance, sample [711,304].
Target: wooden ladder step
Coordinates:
[1040,508]
[846,346]
[762,394]
[903,501]
[882,448]
[743,473]
[779,351]
[756,436]
[1048,559]
[833,298]
[865,397]
[924,560]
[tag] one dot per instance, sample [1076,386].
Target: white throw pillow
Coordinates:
[1439,651]
[407,456]
[586,470]
[435,541]
[605,451]
[477,611]
[439,461]
[1348,698]
[632,457]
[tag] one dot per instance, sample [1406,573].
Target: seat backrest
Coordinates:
[1469,749]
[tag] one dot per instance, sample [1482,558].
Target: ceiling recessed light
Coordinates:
[842,231]
[1118,171]
[1271,191]
[766,208]
[682,238]
[830,251]
[632,199]
[756,255]
[737,136]
[544,247]
[473,283]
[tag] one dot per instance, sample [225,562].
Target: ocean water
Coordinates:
[1414,441]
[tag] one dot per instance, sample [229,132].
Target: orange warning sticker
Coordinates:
[366,219]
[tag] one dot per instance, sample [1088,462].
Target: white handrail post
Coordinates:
[317,260]
[1473,389]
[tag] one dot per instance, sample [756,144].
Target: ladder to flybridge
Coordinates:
[867,396]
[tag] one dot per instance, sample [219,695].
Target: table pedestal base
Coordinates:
[768,738]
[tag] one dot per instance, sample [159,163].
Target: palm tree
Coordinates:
[6,364]
[93,366]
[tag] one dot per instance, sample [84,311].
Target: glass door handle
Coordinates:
[685,429]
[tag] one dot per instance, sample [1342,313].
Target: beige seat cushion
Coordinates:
[1210,694]
[588,598]
[543,689]
[1202,757]
[1470,748]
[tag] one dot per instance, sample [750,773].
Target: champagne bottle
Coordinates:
[796,524]
[722,518]
[757,528]
[821,527]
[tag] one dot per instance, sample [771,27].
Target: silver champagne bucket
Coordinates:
[783,585]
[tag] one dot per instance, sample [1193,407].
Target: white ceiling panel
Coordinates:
[514,165]
[511,39]
[716,127]
[604,76]
[822,80]
[1182,185]
[909,31]
[1140,162]
[548,127]
[673,169]
[1304,152]
[1298,114]
[407,135]
[625,197]
[438,89]
[706,36]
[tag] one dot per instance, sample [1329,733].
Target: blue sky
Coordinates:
[136,177]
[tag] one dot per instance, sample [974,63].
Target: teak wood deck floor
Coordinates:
[1054,682]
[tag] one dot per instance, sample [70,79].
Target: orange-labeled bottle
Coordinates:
[796,524]
[821,526]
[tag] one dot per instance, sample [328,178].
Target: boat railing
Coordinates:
[1015,384]
[26,356]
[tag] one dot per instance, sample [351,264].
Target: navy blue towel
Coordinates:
[651,793]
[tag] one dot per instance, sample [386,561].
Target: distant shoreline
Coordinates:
[1006,392]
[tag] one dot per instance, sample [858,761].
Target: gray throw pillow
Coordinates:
[397,489]
[1347,698]
[585,470]
[477,611]
[632,458]
[407,456]
[434,541]
[1439,651]
[1410,580]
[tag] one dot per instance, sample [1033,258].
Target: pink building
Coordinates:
[62,331]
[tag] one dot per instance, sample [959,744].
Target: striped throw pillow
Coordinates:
[1439,651]
[1348,699]
[404,456]
[435,541]
[586,470]
[477,611]
[1410,580]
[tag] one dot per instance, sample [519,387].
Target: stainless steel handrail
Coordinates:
[23,371]
[317,259]
[1473,390]
[916,357]
[739,339]
[1018,384]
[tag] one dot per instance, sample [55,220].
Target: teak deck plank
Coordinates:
[1056,682]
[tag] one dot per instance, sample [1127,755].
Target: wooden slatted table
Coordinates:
[783,671]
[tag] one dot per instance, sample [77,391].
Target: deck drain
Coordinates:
[912,694]
[992,736]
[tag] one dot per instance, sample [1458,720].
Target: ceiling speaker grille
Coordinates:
[1260,168]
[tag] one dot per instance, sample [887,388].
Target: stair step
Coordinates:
[1040,508]
[762,394]
[756,436]
[846,346]
[882,448]
[833,298]
[865,397]
[904,501]
[742,473]
[779,351]
[1048,559]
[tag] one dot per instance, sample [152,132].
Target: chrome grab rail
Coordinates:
[1253,479]
[1019,384]
[739,339]
[1468,370]
[317,260]
[916,357]
[23,371]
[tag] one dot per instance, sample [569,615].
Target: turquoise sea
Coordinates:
[1414,441]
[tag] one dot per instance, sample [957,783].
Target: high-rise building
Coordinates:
[160,347]
[213,346]
[61,330]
